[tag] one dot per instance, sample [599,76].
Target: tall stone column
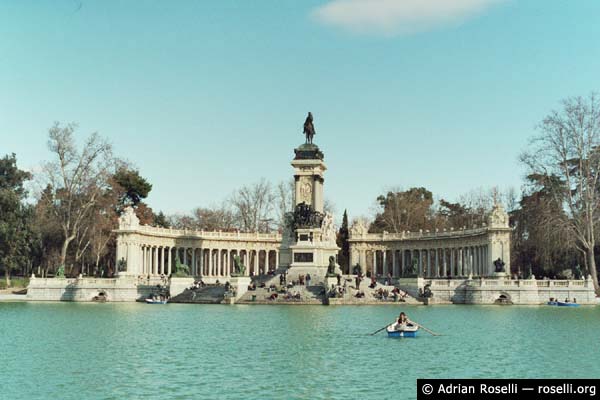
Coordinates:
[227,262]
[219,265]
[266,268]
[185,256]
[428,262]
[363,260]
[436,272]
[477,259]
[256,268]
[160,265]
[201,252]
[384,269]
[374,266]
[142,260]
[148,267]
[394,264]
[444,265]
[276,260]
[169,267]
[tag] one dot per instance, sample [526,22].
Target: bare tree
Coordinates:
[567,148]
[510,197]
[76,178]
[284,199]
[214,218]
[253,205]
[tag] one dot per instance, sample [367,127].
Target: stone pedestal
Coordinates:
[309,239]
[240,283]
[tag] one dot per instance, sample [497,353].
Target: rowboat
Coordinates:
[154,301]
[408,330]
[562,304]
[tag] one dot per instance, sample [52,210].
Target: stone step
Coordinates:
[206,295]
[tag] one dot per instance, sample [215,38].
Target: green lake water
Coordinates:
[138,351]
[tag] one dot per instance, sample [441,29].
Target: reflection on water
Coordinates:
[125,351]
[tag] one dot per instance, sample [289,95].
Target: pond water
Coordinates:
[137,351]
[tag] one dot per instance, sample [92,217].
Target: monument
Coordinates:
[309,239]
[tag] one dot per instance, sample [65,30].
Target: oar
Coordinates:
[428,331]
[379,330]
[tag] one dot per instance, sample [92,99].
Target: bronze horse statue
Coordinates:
[309,128]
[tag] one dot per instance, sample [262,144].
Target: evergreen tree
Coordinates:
[342,242]
[15,217]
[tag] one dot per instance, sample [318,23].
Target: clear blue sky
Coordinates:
[206,96]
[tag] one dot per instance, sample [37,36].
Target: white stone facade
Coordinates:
[151,251]
[442,253]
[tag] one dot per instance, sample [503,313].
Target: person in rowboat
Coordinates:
[402,322]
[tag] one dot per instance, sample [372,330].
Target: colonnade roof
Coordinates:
[194,234]
[426,234]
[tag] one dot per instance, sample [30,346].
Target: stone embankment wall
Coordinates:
[517,291]
[445,291]
[85,289]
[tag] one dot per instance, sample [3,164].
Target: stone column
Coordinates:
[169,261]
[219,261]
[477,260]
[266,262]
[146,259]
[201,250]
[185,256]
[444,265]
[428,262]
[159,265]
[363,260]
[374,266]
[402,262]
[481,262]
[276,260]
[353,256]
[384,269]
[394,264]
[256,269]
[209,262]
[225,256]
[154,259]
[436,272]
[451,250]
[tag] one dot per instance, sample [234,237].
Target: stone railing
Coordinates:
[407,235]
[33,281]
[509,283]
[202,234]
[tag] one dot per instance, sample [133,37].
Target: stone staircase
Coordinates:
[369,298]
[308,295]
[207,295]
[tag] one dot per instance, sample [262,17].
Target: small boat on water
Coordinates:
[155,301]
[408,330]
[562,304]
